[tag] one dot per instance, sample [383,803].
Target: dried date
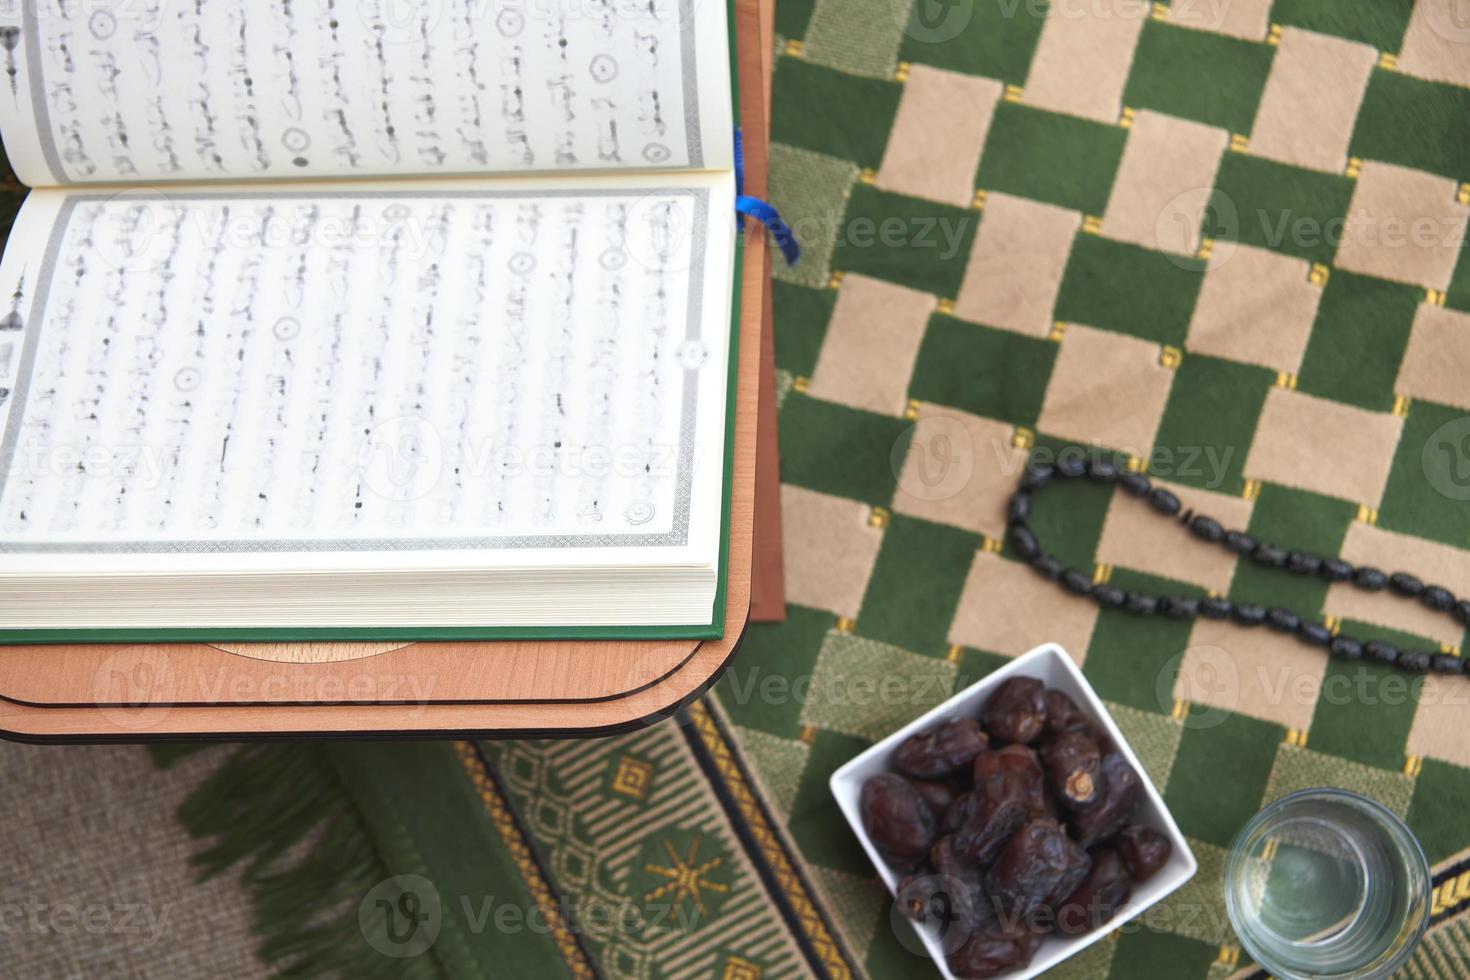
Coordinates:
[1078,864]
[944,857]
[1113,807]
[897,819]
[960,813]
[937,796]
[995,950]
[1073,764]
[1143,849]
[1012,769]
[1029,867]
[1063,715]
[947,749]
[1106,889]
[983,822]
[948,901]
[1017,711]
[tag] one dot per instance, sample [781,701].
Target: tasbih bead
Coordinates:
[1179,606]
[1382,652]
[1283,620]
[1214,607]
[1248,614]
[1444,663]
[1207,529]
[1163,501]
[1314,634]
[1047,566]
[1075,464]
[1018,511]
[1135,484]
[1142,603]
[1037,475]
[1269,555]
[1302,563]
[1103,470]
[1071,465]
[1404,584]
[1438,598]
[1414,661]
[1240,542]
[1076,582]
[1370,578]
[1023,539]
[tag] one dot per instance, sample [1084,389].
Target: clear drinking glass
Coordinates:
[1327,883]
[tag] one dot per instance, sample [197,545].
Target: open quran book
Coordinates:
[357,319]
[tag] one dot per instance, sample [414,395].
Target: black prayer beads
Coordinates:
[1074,465]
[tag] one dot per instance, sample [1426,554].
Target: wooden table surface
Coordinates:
[104,692]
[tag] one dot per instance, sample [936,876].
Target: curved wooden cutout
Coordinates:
[308,653]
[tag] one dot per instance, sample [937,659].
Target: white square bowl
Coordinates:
[1050,665]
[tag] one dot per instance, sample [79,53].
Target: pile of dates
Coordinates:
[1010,826]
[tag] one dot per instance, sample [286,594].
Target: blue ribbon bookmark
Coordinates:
[762,211]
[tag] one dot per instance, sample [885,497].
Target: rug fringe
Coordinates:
[284,816]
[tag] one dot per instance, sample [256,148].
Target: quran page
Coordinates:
[391,387]
[151,91]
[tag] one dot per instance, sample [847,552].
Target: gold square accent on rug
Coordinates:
[738,968]
[632,778]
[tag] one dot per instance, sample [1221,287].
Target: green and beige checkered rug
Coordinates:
[1223,237]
